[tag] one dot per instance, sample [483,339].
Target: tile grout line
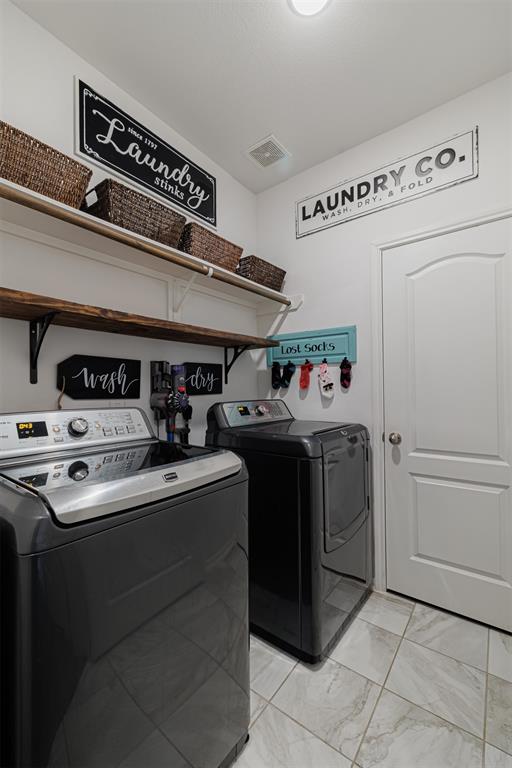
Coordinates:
[283,682]
[379,626]
[290,717]
[422,645]
[304,727]
[433,714]
[275,649]
[251,724]
[424,709]
[486,695]
[268,701]
[486,627]
[308,730]
[414,704]
[354,671]
[382,686]
[446,655]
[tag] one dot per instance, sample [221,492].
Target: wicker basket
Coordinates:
[206,245]
[30,163]
[136,212]
[261,271]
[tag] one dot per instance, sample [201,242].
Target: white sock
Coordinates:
[325,382]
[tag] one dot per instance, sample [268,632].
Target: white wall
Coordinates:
[332,267]
[37,96]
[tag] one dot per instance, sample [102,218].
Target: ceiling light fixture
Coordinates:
[308,7]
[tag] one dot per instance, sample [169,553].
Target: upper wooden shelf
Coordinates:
[25,208]
[20,305]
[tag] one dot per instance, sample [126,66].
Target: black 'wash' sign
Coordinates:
[112,138]
[85,377]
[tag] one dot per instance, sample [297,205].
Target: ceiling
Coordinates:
[226,73]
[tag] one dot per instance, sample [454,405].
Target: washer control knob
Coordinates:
[78,470]
[78,427]
[261,410]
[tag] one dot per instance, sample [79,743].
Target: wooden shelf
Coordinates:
[22,207]
[41,311]
[20,305]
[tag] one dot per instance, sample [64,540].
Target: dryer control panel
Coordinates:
[239,414]
[24,434]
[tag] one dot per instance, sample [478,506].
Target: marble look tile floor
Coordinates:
[407,686]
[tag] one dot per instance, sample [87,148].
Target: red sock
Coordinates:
[305,373]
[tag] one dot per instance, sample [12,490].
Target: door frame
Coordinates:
[377,367]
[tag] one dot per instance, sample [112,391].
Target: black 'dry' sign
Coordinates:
[84,377]
[109,136]
[203,378]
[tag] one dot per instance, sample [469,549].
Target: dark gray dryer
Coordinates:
[310,533]
[123,603]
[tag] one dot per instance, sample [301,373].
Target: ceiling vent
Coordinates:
[267,151]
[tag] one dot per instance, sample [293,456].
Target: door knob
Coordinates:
[395,438]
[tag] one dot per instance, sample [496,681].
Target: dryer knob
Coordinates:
[78,470]
[261,410]
[78,427]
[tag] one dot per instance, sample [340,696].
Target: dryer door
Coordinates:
[345,489]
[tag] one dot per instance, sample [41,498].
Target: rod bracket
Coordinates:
[228,364]
[178,303]
[37,331]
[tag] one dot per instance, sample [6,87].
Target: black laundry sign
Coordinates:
[203,378]
[85,377]
[112,138]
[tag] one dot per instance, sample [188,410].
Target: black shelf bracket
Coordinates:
[37,331]
[228,364]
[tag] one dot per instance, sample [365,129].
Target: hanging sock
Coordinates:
[276,375]
[325,382]
[346,373]
[305,374]
[288,371]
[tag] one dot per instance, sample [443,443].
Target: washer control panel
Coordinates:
[255,412]
[70,471]
[23,434]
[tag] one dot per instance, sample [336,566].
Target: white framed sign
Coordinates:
[443,165]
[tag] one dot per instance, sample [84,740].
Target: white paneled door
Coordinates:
[447,319]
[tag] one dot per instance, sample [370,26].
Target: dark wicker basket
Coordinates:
[261,271]
[206,245]
[30,163]
[136,212]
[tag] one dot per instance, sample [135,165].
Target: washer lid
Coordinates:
[86,486]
